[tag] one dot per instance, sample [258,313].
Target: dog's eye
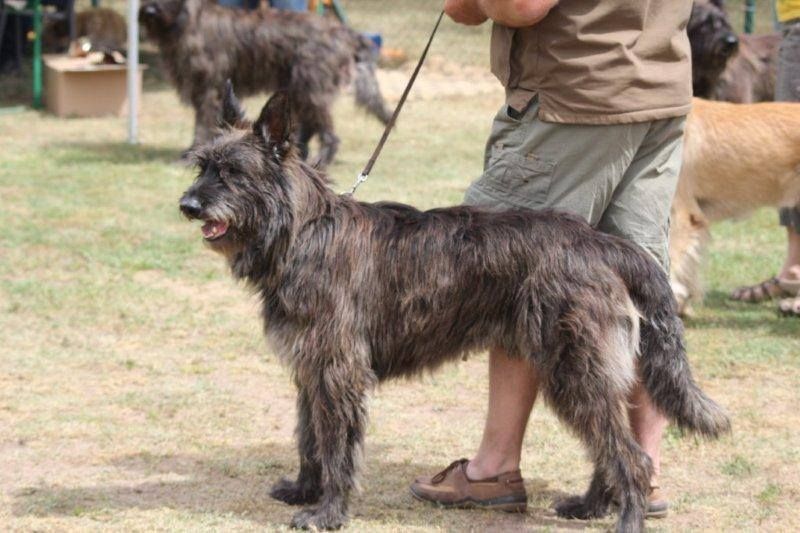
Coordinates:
[229,174]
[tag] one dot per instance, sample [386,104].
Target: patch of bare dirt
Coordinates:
[438,78]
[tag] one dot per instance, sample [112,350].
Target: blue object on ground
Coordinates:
[375,38]
[249,4]
[291,5]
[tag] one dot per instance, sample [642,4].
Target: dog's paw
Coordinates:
[294,493]
[322,518]
[578,507]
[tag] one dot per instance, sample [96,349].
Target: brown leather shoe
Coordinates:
[452,488]
[657,505]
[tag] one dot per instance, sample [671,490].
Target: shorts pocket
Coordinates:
[520,180]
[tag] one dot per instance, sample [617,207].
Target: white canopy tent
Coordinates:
[133,71]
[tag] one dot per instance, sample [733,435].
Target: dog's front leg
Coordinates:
[307,489]
[337,397]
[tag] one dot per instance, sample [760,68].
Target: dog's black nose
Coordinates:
[149,10]
[190,206]
[731,40]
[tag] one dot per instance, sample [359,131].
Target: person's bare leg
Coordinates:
[791,268]
[791,272]
[512,391]
[648,426]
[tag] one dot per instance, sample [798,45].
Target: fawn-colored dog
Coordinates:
[737,158]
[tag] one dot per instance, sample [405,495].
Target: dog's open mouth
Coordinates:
[214,229]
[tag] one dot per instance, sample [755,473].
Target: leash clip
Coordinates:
[389,125]
[359,180]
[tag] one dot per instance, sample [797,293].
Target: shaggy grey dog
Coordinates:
[740,69]
[311,57]
[356,293]
[713,43]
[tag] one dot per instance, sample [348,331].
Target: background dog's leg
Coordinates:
[311,101]
[307,489]
[207,105]
[328,141]
[586,385]
[304,138]
[337,396]
[689,236]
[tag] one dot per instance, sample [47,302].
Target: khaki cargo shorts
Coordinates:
[619,177]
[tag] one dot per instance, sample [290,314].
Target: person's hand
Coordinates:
[517,13]
[511,13]
[468,12]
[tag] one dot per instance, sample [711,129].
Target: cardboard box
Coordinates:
[75,87]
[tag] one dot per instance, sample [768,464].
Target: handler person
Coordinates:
[597,94]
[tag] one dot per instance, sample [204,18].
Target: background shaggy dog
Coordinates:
[356,293]
[311,57]
[736,158]
[726,66]
[713,43]
[750,74]
[105,28]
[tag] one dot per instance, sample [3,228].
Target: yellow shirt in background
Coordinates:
[787,9]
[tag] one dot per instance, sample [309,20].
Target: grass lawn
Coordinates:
[136,392]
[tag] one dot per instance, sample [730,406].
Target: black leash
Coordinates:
[367,169]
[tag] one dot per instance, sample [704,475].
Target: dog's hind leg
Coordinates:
[308,486]
[587,385]
[594,503]
[328,140]
[337,389]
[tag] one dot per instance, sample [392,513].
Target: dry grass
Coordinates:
[136,392]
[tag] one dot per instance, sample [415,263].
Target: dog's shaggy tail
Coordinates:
[368,93]
[663,365]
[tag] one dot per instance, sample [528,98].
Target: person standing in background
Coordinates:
[597,95]
[786,284]
[289,5]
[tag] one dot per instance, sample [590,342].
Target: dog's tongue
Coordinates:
[213,229]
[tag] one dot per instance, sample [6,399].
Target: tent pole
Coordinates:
[133,71]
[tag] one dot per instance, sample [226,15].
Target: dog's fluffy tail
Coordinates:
[663,365]
[368,93]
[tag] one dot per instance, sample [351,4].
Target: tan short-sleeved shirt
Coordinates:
[599,62]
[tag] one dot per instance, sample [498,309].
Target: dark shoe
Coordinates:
[451,488]
[766,290]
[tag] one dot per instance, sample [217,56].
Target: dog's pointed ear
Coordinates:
[719,3]
[232,112]
[273,125]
